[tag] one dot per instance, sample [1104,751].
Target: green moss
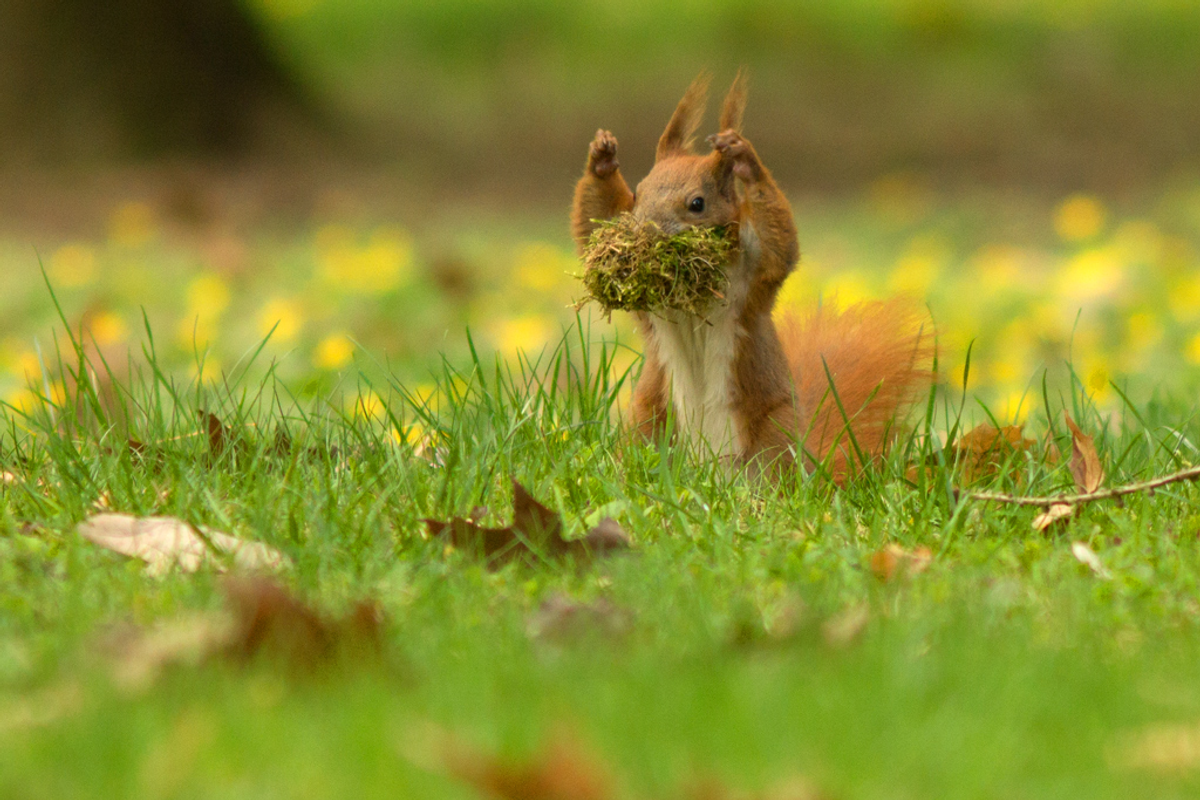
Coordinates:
[634,266]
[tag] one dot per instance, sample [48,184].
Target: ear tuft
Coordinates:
[735,103]
[677,138]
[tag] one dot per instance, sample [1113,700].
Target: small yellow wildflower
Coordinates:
[381,266]
[72,266]
[283,316]
[333,352]
[541,267]
[1192,351]
[207,295]
[1079,217]
[368,405]
[528,333]
[1092,275]
[132,225]
[108,328]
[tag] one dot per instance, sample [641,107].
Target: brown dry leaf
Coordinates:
[218,436]
[271,620]
[535,531]
[844,627]
[1167,747]
[1055,513]
[1085,462]
[893,561]
[561,771]
[1087,556]
[984,449]
[166,542]
[263,619]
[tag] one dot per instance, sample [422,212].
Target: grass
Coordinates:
[1007,669]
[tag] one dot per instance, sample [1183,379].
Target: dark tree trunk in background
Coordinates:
[83,79]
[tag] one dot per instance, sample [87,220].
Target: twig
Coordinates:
[1078,499]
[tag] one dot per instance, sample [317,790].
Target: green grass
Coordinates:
[1007,669]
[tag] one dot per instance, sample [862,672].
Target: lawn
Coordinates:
[327,381]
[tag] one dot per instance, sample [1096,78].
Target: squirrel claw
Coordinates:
[731,145]
[602,154]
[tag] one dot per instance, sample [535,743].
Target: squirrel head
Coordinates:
[684,189]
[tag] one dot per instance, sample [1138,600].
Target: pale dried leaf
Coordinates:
[1056,512]
[7,478]
[1164,747]
[142,656]
[894,561]
[1085,462]
[1087,556]
[166,542]
[847,625]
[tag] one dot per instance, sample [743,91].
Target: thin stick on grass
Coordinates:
[1190,474]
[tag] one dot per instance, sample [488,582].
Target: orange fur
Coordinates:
[751,391]
[878,355]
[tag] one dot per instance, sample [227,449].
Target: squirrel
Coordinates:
[756,393]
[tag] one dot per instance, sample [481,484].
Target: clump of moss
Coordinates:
[634,266]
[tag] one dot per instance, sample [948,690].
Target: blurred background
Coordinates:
[365,179]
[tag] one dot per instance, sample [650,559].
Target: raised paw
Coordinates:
[731,146]
[602,154]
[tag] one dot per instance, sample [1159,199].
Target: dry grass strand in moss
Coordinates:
[634,266]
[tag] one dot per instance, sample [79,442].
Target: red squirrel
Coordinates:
[753,392]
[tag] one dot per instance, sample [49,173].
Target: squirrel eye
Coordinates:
[696,205]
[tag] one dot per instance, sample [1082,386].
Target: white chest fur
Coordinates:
[698,354]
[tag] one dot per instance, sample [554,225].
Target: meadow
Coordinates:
[327,384]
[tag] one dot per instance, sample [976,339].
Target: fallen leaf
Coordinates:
[535,531]
[7,478]
[844,627]
[262,618]
[139,657]
[1087,556]
[166,542]
[893,561]
[561,771]
[1055,513]
[1167,747]
[560,618]
[1085,462]
[983,450]
[796,788]
[218,436]
[273,621]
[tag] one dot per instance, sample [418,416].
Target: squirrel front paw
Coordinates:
[739,152]
[602,154]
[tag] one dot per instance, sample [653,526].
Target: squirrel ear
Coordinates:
[735,103]
[677,138]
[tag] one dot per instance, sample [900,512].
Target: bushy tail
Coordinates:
[878,355]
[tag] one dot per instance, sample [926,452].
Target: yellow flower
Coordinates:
[72,266]
[368,405]
[282,318]
[540,266]
[207,295]
[1015,407]
[847,288]
[206,371]
[528,333]
[108,328]
[1091,275]
[382,265]
[1079,217]
[132,225]
[333,352]
[1192,351]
